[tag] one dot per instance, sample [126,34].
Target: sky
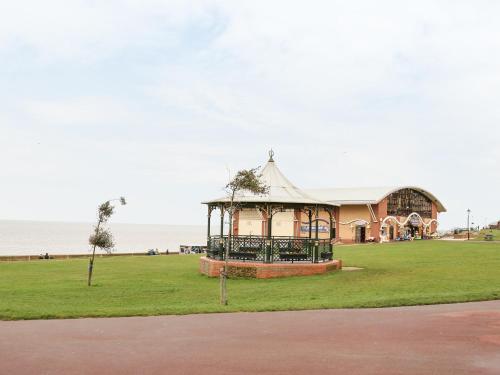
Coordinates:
[160,101]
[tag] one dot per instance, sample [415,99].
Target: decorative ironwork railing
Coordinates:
[269,250]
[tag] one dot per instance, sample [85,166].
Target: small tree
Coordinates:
[102,237]
[245,180]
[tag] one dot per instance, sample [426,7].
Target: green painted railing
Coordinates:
[270,250]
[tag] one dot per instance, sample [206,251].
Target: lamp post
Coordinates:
[468,226]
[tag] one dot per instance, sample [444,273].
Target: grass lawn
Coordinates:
[483,232]
[419,272]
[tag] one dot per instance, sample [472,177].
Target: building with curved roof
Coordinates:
[383,213]
[357,214]
[366,195]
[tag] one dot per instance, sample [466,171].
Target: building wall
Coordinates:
[434,216]
[295,222]
[348,213]
[380,211]
[249,223]
[252,222]
[324,222]
[283,223]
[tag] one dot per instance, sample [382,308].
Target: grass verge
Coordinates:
[411,273]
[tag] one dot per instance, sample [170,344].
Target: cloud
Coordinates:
[88,31]
[161,95]
[80,111]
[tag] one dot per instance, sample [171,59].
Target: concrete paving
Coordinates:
[438,339]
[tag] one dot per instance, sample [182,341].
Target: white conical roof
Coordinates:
[281,190]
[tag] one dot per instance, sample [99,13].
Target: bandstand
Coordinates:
[282,233]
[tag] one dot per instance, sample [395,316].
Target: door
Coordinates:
[363,234]
[360,233]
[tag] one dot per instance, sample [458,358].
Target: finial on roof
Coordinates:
[271,154]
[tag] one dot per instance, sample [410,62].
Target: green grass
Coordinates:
[420,272]
[483,232]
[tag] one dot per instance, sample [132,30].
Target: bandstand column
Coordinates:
[221,221]
[316,237]
[316,229]
[221,241]
[209,216]
[330,247]
[310,223]
[269,244]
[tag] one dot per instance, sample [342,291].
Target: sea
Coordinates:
[55,238]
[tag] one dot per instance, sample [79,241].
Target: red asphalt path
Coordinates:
[439,339]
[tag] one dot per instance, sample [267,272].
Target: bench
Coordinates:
[488,237]
[244,255]
[293,256]
[326,255]
[212,253]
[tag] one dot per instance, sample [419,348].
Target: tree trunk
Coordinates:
[91,261]
[224,299]
[224,273]
[223,295]
[91,267]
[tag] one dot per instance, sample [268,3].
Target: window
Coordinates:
[405,201]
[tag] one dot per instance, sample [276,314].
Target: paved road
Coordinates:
[440,339]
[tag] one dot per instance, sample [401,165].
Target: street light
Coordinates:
[468,226]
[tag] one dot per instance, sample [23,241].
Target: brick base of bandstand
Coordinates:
[211,268]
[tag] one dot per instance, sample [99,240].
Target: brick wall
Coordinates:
[434,216]
[212,268]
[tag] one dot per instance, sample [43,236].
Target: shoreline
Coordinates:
[30,239]
[14,258]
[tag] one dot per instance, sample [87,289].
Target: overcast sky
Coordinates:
[156,100]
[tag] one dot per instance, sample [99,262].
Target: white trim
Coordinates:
[353,221]
[370,208]
[403,223]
